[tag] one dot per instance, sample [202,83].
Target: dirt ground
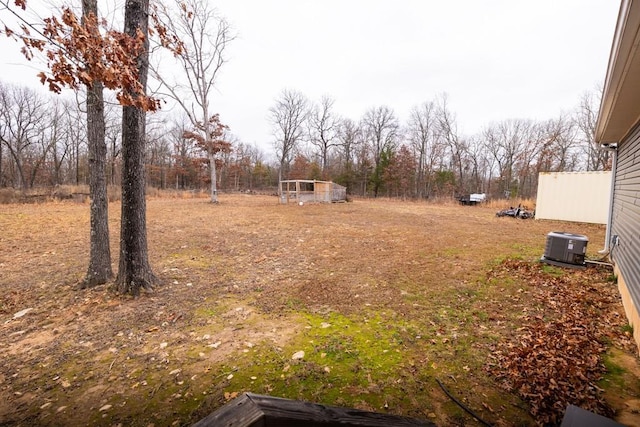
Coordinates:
[247,283]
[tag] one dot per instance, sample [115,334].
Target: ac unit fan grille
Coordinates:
[565,248]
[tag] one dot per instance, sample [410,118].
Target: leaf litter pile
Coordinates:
[555,358]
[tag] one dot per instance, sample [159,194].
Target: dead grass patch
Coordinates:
[247,283]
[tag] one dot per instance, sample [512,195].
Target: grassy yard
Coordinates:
[383,297]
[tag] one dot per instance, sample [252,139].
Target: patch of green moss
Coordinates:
[346,359]
[211,310]
[615,373]
[552,270]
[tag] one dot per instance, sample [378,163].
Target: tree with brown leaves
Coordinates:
[210,138]
[78,53]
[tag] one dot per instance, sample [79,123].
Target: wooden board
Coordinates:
[253,410]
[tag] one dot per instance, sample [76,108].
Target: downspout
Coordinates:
[613,148]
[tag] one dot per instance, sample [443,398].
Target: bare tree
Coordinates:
[448,132]
[62,144]
[586,118]
[287,117]
[324,129]
[33,131]
[23,116]
[201,36]
[478,164]
[134,270]
[530,151]
[505,141]
[113,136]
[76,129]
[184,154]
[349,138]
[560,149]
[350,135]
[422,133]
[380,127]
[48,135]
[363,161]
[158,157]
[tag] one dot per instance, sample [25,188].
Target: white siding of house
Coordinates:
[574,196]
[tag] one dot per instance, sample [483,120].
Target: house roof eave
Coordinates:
[619,108]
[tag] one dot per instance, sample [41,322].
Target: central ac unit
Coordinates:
[565,249]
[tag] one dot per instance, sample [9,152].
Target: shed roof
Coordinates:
[620,105]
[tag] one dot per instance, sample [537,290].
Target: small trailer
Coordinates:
[472,199]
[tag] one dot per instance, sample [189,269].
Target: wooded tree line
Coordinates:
[426,156]
[43,143]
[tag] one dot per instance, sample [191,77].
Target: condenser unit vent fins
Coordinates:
[565,249]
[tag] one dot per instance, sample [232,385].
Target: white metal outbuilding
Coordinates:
[574,196]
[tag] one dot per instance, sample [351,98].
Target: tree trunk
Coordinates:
[21,182]
[210,148]
[214,184]
[113,161]
[77,147]
[1,160]
[134,270]
[99,270]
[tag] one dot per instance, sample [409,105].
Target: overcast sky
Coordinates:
[496,59]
